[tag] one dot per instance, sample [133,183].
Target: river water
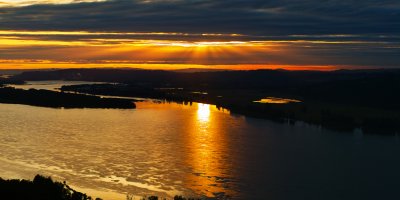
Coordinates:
[194,150]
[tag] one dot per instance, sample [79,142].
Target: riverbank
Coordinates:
[53,99]
[334,116]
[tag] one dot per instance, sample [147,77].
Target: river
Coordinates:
[194,150]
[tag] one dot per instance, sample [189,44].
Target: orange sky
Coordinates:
[7,64]
[57,49]
[176,34]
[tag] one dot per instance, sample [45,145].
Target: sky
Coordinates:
[175,34]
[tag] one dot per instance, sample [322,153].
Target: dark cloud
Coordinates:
[255,17]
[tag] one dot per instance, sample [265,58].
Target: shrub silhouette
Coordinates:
[43,188]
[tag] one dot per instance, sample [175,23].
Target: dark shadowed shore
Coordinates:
[53,99]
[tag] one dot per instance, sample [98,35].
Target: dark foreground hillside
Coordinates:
[42,188]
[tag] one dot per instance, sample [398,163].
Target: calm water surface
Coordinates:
[194,150]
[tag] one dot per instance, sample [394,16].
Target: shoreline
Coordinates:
[52,99]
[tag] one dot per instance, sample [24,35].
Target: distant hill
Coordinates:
[194,70]
[211,79]
[19,71]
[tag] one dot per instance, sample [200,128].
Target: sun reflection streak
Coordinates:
[203,113]
[207,150]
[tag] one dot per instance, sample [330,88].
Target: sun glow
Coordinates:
[203,113]
[149,50]
[49,64]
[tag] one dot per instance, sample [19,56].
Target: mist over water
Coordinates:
[194,150]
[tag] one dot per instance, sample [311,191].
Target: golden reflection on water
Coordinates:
[207,147]
[203,113]
[275,100]
[183,149]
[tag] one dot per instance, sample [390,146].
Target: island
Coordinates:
[54,99]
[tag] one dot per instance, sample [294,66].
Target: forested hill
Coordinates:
[213,79]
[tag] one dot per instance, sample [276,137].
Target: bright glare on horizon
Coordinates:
[166,50]
[6,3]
